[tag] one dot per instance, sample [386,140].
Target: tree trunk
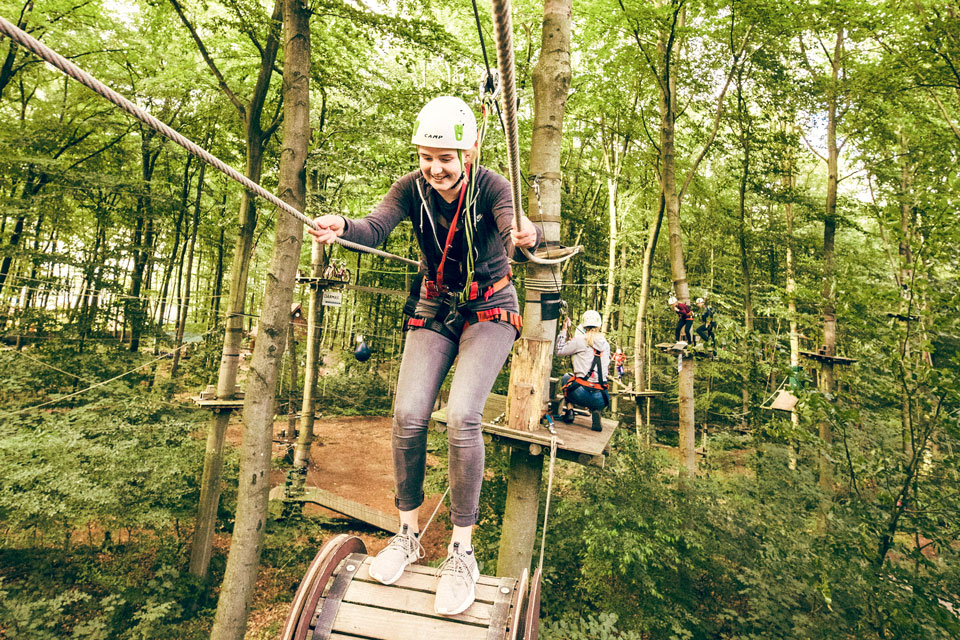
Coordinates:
[748,319]
[314,322]
[233,333]
[687,426]
[136,312]
[551,84]
[791,291]
[241,571]
[906,284]
[218,276]
[613,178]
[641,346]
[827,383]
[185,296]
[168,271]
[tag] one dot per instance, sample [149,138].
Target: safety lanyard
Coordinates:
[453,229]
[596,365]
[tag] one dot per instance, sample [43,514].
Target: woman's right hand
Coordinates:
[566,324]
[329,228]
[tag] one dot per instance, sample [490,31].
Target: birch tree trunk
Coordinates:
[613,166]
[256,138]
[551,83]
[791,291]
[242,563]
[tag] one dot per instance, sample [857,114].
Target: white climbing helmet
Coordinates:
[591,319]
[672,300]
[699,300]
[445,122]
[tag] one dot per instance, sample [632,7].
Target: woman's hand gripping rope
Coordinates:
[524,237]
[329,228]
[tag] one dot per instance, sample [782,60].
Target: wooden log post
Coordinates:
[534,353]
[528,394]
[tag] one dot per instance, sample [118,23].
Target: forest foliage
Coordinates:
[101,457]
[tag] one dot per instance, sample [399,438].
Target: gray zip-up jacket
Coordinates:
[412,197]
[583,355]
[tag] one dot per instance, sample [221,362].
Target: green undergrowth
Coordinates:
[96,510]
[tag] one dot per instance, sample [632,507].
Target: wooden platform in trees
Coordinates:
[208,400]
[822,356]
[327,283]
[675,348]
[576,441]
[782,400]
[343,506]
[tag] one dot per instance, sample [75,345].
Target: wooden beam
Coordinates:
[343,506]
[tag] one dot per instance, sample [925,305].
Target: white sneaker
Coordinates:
[456,589]
[404,549]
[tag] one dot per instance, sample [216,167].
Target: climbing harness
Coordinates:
[48,55]
[601,385]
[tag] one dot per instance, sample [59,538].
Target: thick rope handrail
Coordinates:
[503,36]
[52,57]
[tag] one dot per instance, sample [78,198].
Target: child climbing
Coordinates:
[618,360]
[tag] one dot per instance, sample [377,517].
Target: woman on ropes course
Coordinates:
[462,215]
[682,335]
[587,385]
[708,316]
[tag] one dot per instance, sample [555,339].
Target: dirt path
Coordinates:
[351,458]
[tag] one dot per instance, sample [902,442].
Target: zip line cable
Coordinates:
[50,56]
[103,382]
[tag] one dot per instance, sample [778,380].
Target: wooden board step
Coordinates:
[577,442]
[349,508]
[339,599]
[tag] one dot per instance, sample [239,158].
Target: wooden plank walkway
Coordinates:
[577,441]
[343,506]
[824,357]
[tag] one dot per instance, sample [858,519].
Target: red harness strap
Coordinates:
[600,385]
[585,383]
[497,315]
[475,293]
[450,233]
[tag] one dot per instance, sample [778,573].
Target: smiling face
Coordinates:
[441,167]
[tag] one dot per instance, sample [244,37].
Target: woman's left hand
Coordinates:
[526,236]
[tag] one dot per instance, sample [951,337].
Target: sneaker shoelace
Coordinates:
[408,543]
[456,565]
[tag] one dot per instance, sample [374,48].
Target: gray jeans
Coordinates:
[427,357]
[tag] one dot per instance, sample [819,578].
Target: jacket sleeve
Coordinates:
[374,228]
[565,348]
[501,205]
